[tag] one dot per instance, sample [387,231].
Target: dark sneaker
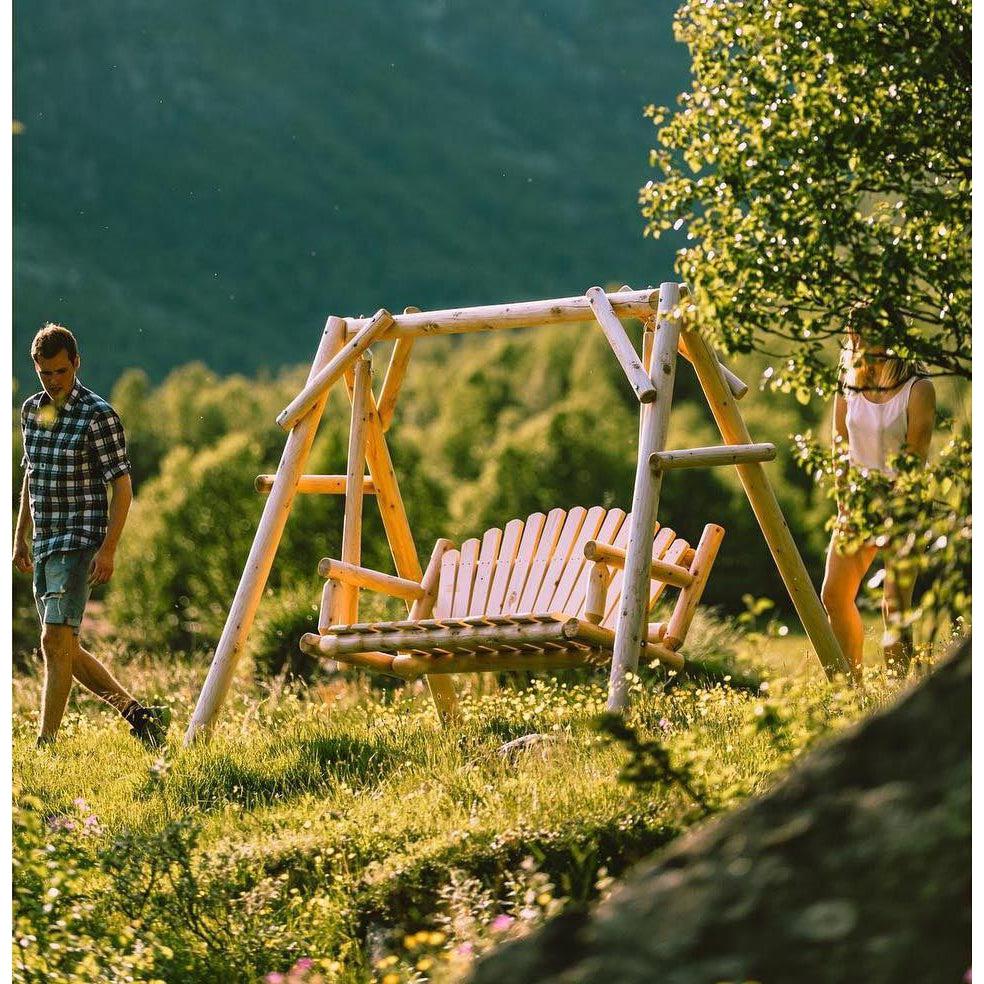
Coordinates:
[149,725]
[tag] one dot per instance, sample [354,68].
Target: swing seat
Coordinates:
[541,594]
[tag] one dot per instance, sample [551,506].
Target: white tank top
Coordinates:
[877,430]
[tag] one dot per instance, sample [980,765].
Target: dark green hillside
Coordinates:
[209,180]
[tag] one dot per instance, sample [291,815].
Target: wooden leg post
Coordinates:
[346,597]
[632,622]
[766,507]
[264,548]
[397,528]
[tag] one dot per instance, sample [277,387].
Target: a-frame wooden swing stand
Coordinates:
[546,592]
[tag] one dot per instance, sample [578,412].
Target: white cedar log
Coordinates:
[638,304]
[276,509]
[766,508]
[388,498]
[621,345]
[325,378]
[315,484]
[727,454]
[353,575]
[654,418]
[700,569]
[441,687]
[347,597]
[397,369]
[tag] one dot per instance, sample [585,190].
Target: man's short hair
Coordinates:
[51,340]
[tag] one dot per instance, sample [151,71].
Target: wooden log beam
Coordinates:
[347,599]
[441,687]
[325,378]
[447,638]
[521,314]
[388,498]
[734,383]
[598,635]
[621,345]
[726,454]
[438,666]
[700,569]
[737,386]
[276,509]
[654,419]
[659,570]
[766,507]
[596,599]
[315,484]
[399,360]
[364,577]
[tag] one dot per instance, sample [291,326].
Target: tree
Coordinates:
[822,159]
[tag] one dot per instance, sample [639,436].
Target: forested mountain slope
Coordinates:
[208,181]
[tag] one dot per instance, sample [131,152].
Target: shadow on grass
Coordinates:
[317,765]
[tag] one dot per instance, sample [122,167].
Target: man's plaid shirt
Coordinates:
[70,456]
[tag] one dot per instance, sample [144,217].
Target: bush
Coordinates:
[280,623]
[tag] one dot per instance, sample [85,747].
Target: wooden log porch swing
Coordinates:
[545,592]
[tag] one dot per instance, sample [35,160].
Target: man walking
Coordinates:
[74,447]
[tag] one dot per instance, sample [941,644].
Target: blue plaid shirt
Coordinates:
[70,456]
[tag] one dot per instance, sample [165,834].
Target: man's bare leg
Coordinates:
[94,676]
[58,647]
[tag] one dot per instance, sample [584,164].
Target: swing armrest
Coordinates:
[364,577]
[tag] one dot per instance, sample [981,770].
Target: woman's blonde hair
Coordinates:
[860,372]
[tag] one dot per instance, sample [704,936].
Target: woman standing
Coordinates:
[884,406]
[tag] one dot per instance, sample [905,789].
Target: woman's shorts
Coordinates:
[61,586]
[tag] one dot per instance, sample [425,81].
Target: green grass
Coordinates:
[334,823]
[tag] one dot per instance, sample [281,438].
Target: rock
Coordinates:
[511,749]
[855,867]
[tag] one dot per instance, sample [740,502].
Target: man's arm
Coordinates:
[22,537]
[119,505]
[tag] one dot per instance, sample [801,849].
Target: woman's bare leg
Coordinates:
[841,581]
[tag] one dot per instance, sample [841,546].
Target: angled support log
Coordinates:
[522,314]
[365,577]
[388,498]
[276,509]
[700,569]
[330,374]
[659,570]
[397,369]
[631,622]
[315,484]
[621,345]
[734,383]
[441,686]
[347,598]
[726,454]
[738,387]
[766,507]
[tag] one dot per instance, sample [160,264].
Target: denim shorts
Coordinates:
[61,586]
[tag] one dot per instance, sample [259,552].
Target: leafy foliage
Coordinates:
[821,158]
[921,518]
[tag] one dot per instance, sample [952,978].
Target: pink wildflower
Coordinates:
[501,923]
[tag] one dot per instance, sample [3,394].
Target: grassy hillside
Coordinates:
[340,832]
[210,180]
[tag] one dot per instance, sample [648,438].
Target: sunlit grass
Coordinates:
[328,822]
